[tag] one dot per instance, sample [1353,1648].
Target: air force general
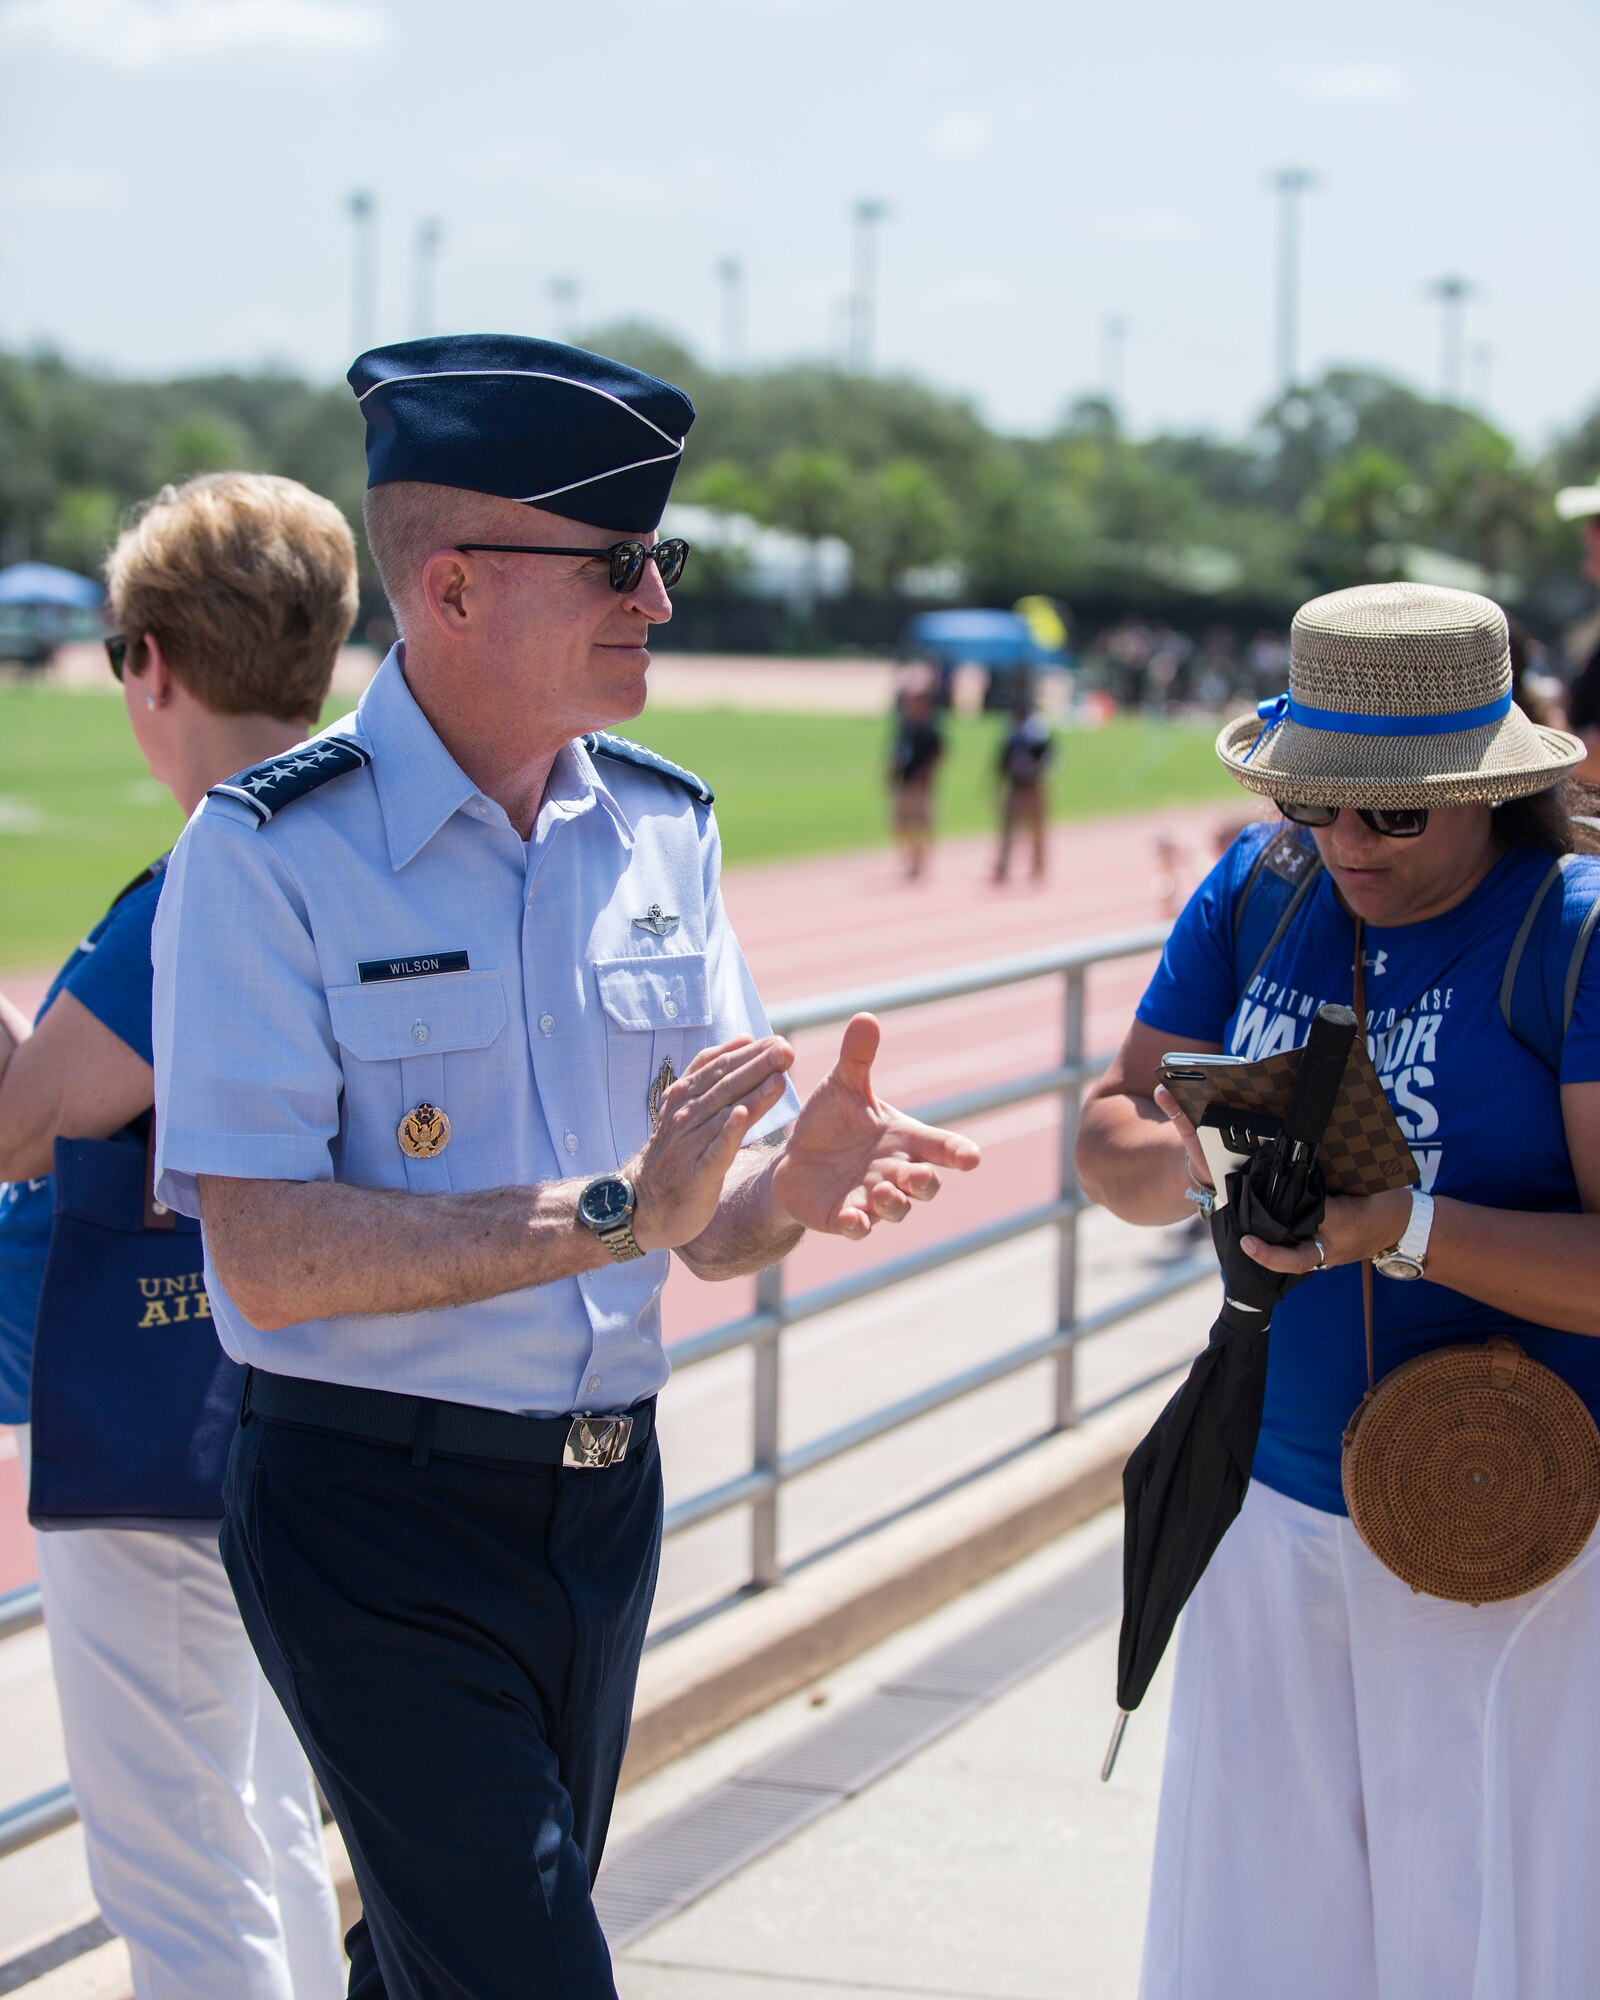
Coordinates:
[453,1045]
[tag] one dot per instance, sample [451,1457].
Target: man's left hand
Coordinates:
[852,1161]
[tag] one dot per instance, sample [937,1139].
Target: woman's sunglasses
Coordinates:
[626,559]
[116,644]
[1393,822]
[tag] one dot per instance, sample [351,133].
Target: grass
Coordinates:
[79,815]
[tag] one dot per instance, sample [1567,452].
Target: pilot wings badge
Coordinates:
[655,923]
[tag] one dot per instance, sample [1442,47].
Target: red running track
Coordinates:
[811,927]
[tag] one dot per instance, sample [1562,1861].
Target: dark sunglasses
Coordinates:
[116,645]
[627,559]
[1393,822]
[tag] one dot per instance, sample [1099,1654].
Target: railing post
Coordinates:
[766,1411]
[1066,1412]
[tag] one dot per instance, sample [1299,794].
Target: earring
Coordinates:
[149,701]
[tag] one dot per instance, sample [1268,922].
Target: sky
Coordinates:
[174,177]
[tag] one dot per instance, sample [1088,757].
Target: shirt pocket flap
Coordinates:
[656,993]
[413,1017]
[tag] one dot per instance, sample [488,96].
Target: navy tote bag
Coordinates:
[134,1401]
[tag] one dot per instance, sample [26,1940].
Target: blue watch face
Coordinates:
[607,1202]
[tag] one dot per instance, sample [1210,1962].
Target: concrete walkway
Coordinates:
[993,1865]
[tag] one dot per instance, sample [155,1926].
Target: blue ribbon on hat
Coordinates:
[1284,708]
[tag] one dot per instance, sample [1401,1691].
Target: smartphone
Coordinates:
[1229,1135]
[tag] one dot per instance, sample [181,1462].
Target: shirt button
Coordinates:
[669,1007]
[547,1024]
[419,1031]
[571,1142]
[594,1384]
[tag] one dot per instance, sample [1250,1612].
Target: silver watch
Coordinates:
[1410,1255]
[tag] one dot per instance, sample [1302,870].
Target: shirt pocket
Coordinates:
[411,1042]
[657,1010]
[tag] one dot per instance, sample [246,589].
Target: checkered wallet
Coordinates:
[1363,1150]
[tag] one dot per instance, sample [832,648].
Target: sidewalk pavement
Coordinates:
[991,1865]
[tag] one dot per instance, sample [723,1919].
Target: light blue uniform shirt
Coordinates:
[275,1060]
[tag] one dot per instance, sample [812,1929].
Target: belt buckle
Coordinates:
[593,1443]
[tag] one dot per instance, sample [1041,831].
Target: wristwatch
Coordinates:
[1410,1254]
[605,1208]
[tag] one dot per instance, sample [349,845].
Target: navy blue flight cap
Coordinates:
[531,420]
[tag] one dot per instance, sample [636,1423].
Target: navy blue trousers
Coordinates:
[456,1644]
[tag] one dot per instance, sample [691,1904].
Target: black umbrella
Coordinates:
[1186,1481]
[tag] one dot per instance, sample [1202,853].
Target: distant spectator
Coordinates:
[913,758]
[1025,756]
[1582,504]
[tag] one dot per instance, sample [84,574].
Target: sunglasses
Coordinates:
[626,559]
[1393,822]
[116,645]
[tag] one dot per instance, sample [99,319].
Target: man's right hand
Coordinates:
[678,1173]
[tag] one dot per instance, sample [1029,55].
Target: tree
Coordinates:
[812,493]
[904,520]
[1359,508]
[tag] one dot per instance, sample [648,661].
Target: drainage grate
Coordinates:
[859,1744]
[664,1868]
[671,1863]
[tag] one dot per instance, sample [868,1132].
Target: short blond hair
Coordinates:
[408,519]
[248,581]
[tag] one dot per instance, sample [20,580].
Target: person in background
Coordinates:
[913,759]
[1025,757]
[234,593]
[1582,504]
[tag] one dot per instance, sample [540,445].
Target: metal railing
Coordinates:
[762,1331]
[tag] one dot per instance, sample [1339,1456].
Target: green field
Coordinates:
[79,815]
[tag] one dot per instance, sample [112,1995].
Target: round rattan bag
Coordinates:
[1473,1472]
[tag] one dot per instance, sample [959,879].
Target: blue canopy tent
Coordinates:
[42,585]
[41,607]
[998,640]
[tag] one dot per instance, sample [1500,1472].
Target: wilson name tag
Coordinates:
[421,967]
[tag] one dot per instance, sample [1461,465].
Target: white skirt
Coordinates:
[1373,1795]
[203,1836]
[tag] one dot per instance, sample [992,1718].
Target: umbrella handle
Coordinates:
[1114,1746]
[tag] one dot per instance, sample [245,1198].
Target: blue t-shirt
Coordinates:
[1481,1112]
[109,973]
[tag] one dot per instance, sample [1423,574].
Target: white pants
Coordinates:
[1371,1795]
[205,1845]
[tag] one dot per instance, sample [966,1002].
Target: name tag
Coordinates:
[421,967]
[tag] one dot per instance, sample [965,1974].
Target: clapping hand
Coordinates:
[852,1161]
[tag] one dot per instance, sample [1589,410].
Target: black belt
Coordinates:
[452,1430]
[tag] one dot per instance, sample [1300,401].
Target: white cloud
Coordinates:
[152,34]
[960,135]
[1355,83]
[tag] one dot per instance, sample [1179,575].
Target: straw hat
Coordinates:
[1399,695]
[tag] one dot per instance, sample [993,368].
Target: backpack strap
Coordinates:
[1539,992]
[1282,875]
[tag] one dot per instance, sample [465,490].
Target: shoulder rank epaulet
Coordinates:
[601,743]
[268,788]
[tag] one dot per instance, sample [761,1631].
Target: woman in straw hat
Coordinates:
[1371,1792]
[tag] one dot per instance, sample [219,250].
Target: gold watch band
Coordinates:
[621,1242]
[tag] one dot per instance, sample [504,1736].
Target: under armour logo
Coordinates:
[1375,965]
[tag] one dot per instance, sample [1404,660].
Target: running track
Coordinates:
[811,927]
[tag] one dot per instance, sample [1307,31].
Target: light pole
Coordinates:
[866,215]
[1452,291]
[424,256]
[1113,345]
[362,209]
[1289,184]
[730,280]
[1482,375]
[564,307]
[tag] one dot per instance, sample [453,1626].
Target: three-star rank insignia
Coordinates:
[424,1132]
